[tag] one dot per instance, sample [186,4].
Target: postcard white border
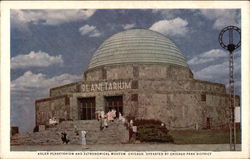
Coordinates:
[5,62]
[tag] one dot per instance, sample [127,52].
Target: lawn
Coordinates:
[203,136]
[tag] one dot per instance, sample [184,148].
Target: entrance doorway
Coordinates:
[114,102]
[86,108]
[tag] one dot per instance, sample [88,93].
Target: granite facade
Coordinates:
[152,91]
[57,107]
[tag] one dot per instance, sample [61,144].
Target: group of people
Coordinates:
[82,137]
[104,119]
[110,116]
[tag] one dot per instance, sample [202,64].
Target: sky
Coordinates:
[50,48]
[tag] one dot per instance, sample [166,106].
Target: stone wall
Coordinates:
[185,110]
[65,89]
[119,72]
[177,110]
[208,86]
[154,71]
[167,86]
[141,71]
[94,74]
[151,76]
[57,107]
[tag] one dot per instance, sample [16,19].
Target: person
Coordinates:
[105,121]
[134,134]
[110,116]
[101,124]
[131,123]
[97,115]
[130,126]
[50,121]
[64,138]
[83,139]
[121,118]
[113,114]
[102,114]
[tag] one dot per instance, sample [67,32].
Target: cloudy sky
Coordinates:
[53,47]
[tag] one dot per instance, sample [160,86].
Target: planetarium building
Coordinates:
[140,73]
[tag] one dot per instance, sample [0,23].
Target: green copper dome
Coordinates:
[137,46]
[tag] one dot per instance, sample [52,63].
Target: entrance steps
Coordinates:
[115,133]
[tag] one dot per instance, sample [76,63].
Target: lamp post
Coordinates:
[231,46]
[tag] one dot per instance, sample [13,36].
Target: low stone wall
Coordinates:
[47,108]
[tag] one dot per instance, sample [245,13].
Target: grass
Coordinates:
[203,136]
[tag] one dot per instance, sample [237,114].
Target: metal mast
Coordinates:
[230,46]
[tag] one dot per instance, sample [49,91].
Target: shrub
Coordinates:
[152,131]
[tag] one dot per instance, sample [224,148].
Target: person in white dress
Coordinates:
[83,139]
[113,113]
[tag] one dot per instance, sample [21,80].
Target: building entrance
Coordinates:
[114,102]
[86,108]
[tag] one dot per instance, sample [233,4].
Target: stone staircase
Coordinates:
[116,133]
